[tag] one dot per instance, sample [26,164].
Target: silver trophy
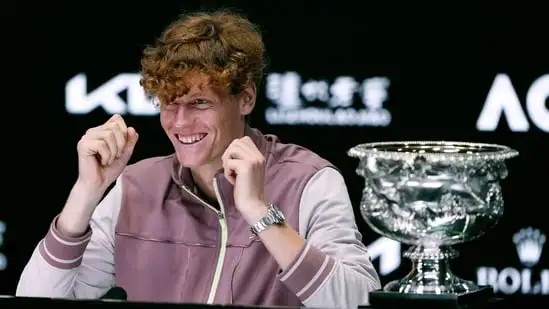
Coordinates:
[431,195]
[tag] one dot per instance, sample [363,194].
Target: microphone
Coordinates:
[115,293]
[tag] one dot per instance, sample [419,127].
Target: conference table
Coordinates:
[32,302]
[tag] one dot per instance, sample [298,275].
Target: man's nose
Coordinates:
[183,116]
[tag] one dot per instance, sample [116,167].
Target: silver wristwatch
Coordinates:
[274,216]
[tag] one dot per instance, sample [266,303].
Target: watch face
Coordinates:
[280,216]
[277,213]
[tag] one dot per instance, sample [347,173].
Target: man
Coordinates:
[233,217]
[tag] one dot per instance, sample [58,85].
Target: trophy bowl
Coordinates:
[431,195]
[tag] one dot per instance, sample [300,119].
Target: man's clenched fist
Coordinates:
[104,152]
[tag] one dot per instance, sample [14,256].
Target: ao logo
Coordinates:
[502,101]
[388,252]
[78,100]
[529,245]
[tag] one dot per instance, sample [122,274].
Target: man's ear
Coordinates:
[247,99]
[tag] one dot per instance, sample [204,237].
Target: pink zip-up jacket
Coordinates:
[155,237]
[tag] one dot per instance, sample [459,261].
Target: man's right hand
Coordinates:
[103,153]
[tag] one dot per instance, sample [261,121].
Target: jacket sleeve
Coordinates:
[333,269]
[80,267]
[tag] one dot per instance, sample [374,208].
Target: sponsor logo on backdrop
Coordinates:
[3,259]
[531,278]
[121,94]
[388,253]
[502,102]
[343,102]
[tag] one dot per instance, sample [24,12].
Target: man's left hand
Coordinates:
[244,167]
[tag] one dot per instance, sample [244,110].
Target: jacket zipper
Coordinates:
[224,237]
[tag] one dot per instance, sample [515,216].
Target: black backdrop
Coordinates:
[440,64]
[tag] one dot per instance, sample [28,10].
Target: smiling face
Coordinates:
[190,70]
[204,121]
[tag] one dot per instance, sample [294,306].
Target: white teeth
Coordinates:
[191,139]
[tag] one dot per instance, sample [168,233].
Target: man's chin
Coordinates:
[192,162]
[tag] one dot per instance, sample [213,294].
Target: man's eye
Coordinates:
[201,103]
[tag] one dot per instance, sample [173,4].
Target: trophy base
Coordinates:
[479,298]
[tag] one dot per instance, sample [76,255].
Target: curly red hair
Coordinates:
[224,45]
